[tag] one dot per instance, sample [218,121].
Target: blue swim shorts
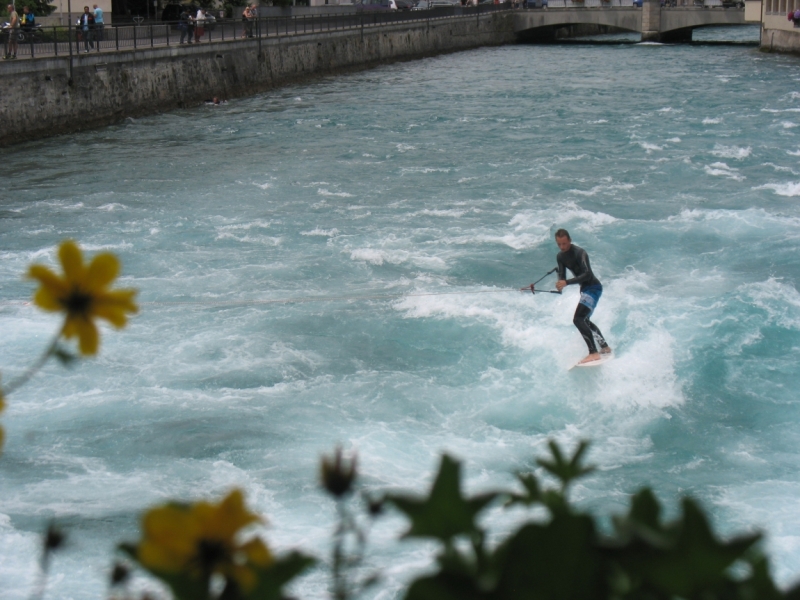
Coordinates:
[590,297]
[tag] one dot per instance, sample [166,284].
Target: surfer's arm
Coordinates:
[562,274]
[586,274]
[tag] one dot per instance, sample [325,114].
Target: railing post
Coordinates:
[167,29]
[55,41]
[116,37]
[134,37]
[152,43]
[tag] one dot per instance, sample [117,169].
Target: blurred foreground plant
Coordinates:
[199,550]
[564,556]
[83,296]
[338,477]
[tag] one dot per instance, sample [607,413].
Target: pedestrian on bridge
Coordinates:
[199,24]
[186,25]
[12,31]
[99,24]
[86,24]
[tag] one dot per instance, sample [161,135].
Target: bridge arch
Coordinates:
[652,21]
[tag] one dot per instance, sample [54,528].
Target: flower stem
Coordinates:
[14,384]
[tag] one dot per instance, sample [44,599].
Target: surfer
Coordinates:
[576,259]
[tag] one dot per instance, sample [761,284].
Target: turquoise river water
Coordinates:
[400,208]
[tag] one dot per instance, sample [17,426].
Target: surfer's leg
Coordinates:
[601,341]
[582,322]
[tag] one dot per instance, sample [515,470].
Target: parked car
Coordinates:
[404,4]
[375,5]
[421,5]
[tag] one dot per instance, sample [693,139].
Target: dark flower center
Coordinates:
[210,553]
[78,303]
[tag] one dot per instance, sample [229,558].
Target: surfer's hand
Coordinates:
[561,284]
[526,288]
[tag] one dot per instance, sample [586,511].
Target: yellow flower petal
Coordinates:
[103,269]
[48,279]
[88,336]
[44,298]
[244,576]
[115,316]
[257,553]
[71,261]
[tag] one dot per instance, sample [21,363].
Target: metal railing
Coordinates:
[63,41]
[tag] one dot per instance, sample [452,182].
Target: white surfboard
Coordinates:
[604,358]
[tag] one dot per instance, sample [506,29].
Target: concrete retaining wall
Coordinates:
[38,99]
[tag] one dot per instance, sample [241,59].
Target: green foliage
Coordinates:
[40,8]
[564,556]
[445,513]
[270,580]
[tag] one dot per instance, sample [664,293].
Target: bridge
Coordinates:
[654,22]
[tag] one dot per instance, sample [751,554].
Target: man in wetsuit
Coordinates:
[575,259]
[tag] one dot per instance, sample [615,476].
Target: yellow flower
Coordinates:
[200,540]
[83,295]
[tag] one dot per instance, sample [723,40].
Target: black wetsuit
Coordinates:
[577,260]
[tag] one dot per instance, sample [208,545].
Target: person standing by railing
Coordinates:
[99,24]
[27,20]
[199,24]
[86,25]
[186,25]
[247,22]
[12,31]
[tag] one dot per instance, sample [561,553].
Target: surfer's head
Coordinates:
[563,240]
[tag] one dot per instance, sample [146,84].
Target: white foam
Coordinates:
[112,206]
[674,140]
[720,169]
[736,152]
[648,147]
[379,257]
[710,121]
[782,189]
[324,192]
[604,189]
[321,232]
[452,212]
[788,124]
[257,224]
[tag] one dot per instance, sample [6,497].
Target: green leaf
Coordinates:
[558,560]
[532,494]
[564,470]
[643,522]
[183,587]
[694,560]
[445,586]
[445,513]
[272,579]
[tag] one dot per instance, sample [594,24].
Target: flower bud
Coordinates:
[337,475]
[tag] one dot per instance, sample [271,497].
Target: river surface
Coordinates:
[399,209]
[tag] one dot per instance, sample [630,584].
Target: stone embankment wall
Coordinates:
[38,99]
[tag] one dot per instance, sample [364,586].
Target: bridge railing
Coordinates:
[588,3]
[62,41]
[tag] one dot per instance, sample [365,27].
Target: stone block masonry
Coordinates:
[38,99]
